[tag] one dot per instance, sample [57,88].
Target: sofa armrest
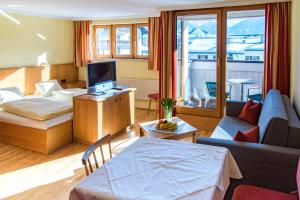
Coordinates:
[234,108]
[262,165]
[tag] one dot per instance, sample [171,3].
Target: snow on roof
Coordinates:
[237,47]
[202,45]
[256,47]
[209,45]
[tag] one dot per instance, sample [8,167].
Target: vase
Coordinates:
[168,115]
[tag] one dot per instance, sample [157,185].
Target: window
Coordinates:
[203,57]
[120,41]
[252,58]
[229,56]
[102,41]
[141,40]
[198,37]
[246,30]
[228,36]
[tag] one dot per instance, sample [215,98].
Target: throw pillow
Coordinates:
[10,94]
[46,88]
[250,112]
[251,135]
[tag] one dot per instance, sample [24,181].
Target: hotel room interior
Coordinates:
[154,100]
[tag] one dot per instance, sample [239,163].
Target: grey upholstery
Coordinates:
[273,124]
[262,165]
[229,126]
[294,124]
[273,121]
[234,108]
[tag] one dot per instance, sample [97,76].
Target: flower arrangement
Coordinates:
[168,104]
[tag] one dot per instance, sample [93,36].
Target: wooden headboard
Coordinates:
[26,77]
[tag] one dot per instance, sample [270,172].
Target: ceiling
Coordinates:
[108,9]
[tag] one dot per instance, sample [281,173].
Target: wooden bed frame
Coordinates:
[44,141]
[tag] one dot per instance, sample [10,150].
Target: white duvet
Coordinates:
[37,108]
[68,94]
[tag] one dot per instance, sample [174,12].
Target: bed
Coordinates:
[43,133]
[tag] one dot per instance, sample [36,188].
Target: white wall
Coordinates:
[295,59]
[30,40]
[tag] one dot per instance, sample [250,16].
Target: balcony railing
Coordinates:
[200,71]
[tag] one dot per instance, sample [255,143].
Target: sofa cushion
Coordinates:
[273,120]
[293,122]
[298,178]
[250,112]
[248,136]
[229,126]
[246,192]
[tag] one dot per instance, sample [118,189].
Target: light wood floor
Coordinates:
[29,175]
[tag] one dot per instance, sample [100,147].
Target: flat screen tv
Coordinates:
[101,76]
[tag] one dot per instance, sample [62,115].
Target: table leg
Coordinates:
[194,137]
[242,91]
[141,132]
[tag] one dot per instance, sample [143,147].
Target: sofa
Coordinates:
[271,163]
[278,122]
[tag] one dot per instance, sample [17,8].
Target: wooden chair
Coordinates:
[91,151]
[212,89]
[255,96]
[154,97]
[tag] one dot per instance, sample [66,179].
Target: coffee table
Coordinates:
[184,130]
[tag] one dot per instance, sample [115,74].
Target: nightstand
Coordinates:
[74,84]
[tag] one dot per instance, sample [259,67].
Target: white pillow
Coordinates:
[45,88]
[10,94]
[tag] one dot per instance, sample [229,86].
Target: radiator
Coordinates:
[143,86]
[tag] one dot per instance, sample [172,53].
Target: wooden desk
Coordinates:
[96,116]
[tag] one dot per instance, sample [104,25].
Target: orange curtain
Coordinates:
[153,23]
[277,49]
[82,43]
[167,55]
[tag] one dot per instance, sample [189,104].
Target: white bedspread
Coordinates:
[43,125]
[68,94]
[37,108]
[161,169]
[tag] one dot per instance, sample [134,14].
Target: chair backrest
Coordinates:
[211,88]
[91,151]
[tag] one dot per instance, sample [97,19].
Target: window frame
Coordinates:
[114,41]
[135,42]
[221,59]
[95,27]
[112,36]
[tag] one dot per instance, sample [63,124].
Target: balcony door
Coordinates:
[245,42]
[220,57]
[198,62]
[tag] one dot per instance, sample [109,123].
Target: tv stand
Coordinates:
[97,93]
[98,115]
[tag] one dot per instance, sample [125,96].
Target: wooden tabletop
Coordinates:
[184,130]
[108,94]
